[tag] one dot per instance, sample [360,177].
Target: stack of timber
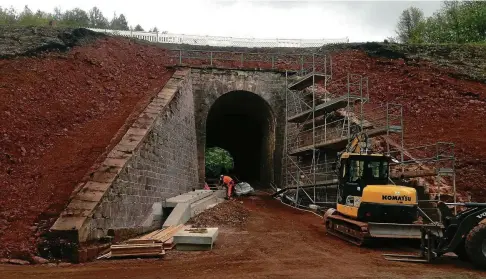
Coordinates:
[164,236]
[137,250]
[152,244]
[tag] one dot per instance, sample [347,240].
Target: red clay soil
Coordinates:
[59,114]
[276,242]
[436,107]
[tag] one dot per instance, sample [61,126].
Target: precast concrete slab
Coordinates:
[194,239]
[189,197]
[179,215]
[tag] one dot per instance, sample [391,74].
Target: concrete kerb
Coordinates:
[89,196]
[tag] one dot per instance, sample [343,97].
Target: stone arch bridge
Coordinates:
[162,154]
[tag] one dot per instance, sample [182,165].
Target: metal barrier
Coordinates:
[221,41]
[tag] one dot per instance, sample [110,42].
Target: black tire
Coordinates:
[461,252]
[476,246]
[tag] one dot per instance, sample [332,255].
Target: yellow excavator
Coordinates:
[369,204]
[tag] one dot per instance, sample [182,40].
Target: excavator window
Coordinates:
[356,170]
[367,170]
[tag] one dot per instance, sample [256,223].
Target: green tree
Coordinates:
[138,28]
[58,15]
[8,16]
[218,161]
[410,25]
[76,17]
[97,19]
[455,22]
[119,22]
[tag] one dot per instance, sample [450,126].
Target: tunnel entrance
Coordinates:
[242,123]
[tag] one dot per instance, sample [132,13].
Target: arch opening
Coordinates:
[242,123]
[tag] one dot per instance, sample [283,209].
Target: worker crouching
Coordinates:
[229,183]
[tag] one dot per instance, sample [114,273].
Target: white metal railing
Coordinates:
[220,41]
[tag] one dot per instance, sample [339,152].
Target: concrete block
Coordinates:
[113,162]
[97,186]
[119,154]
[105,174]
[136,131]
[80,204]
[189,197]
[195,239]
[87,195]
[179,215]
[64,223]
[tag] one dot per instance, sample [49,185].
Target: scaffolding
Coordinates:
[433,161]
[323,115]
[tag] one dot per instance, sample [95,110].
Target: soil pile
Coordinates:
[60,112]
[229,213]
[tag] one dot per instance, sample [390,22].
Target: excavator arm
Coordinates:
[358,144]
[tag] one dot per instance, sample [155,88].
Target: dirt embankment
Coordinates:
[460,61]
[436,106]
[60,111]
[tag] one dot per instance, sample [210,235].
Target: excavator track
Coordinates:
[352,231]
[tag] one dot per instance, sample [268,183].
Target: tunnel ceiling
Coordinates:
[240,122]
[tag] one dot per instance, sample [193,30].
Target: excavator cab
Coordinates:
[364,193]
[357,171]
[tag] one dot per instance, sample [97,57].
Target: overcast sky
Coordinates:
[358,20]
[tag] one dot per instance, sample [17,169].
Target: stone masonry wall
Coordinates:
[155,160]
[210,84]
[165,166]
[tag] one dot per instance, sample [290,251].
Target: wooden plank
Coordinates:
[163,233]
[134,250]
[121,246]
[160,254]
[141,241]
[168,232]
[169,246]
[104,256]
[147,236]
[172,233]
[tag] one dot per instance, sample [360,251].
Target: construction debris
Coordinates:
[229,213]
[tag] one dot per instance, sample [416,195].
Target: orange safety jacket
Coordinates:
[227,180]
